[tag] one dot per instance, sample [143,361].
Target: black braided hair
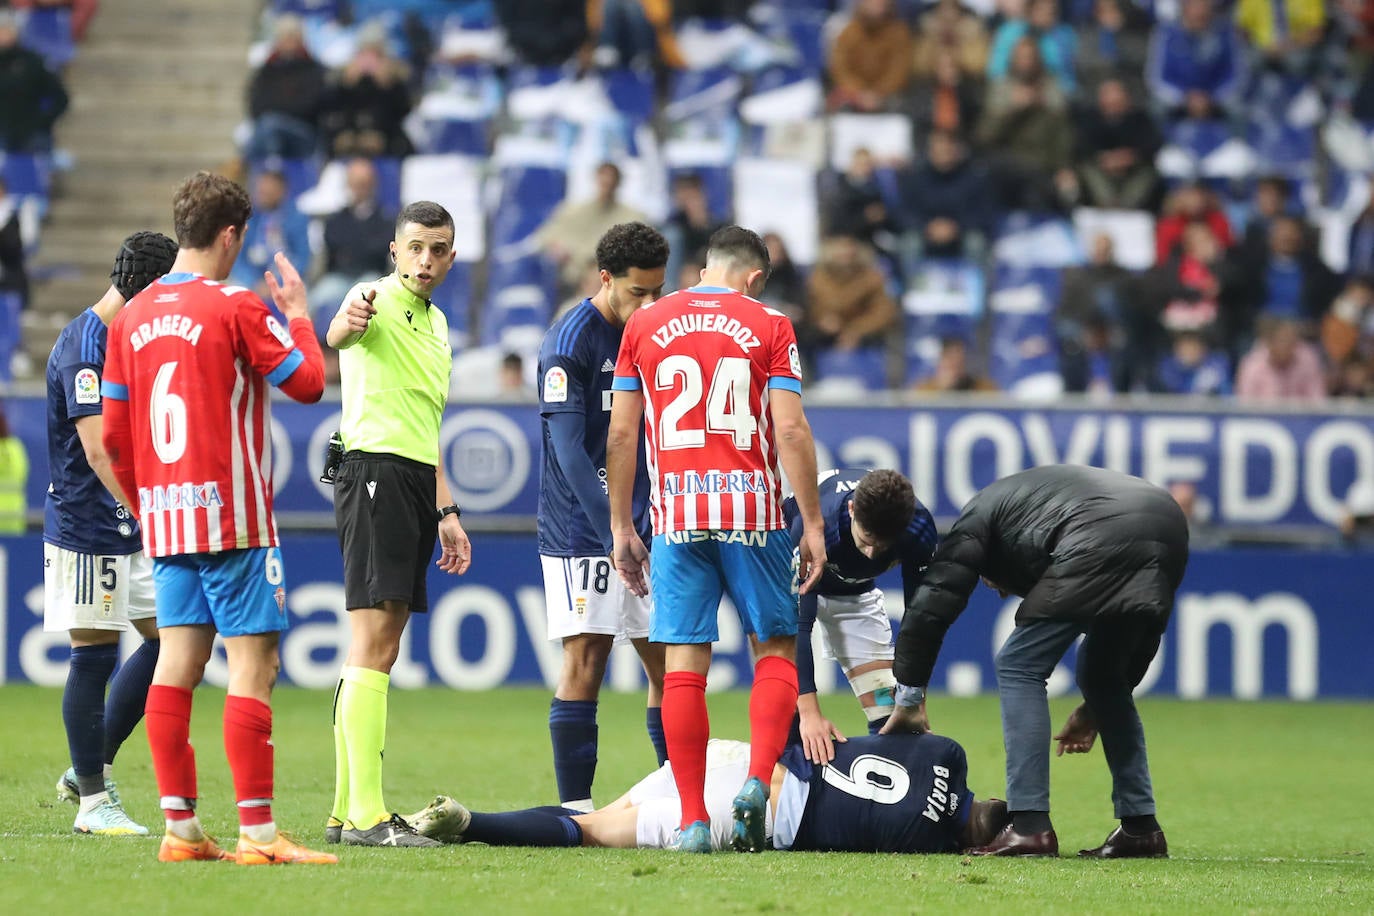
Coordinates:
[142,258]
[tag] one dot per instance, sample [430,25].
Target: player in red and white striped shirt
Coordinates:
[716,378]
[188,431]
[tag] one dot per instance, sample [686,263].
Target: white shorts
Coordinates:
[727,768]
[855,629]
[584,595]
[83,591]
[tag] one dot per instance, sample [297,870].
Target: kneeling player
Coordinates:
[890,793]
[873,522]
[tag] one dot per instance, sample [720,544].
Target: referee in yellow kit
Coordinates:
[390,502]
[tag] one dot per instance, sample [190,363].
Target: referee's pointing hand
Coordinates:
[360,311]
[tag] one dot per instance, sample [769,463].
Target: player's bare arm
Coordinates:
[289,294]
[818,733]
[90,431]
[455,551]
[797,450]
[629,554]
[352,319]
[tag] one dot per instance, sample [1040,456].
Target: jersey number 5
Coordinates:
[167,417]
[727,403]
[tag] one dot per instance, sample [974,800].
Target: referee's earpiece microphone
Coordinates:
[393,261]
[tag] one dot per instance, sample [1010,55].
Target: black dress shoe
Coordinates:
[1121,845]
[1011,843]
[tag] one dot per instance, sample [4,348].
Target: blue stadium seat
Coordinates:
[1022,346]
[524,76]
[706,97]
[1283,149]
[528,195]
[1199,138]
[26,174]
[1024,290]
[631,92]
[325,9]
[10,306]
[717,181]
[806,28]
[465,138]
[388,183]
[865,366]
[48,31]
[521,291]
[301,174]
[925,331]
[454,298]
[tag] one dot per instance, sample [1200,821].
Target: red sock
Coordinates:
[248,745]
[167,718]
[685,729]
[772,704]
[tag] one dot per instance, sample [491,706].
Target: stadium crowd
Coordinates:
[983,178]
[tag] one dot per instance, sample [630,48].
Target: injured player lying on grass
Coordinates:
[881,793]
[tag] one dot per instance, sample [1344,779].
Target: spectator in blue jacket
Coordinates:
[1196,54]
[1193,367]
[946,201]
[1057,42]
[276,225]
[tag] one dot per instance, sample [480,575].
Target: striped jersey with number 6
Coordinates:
[193,360]
[704,358]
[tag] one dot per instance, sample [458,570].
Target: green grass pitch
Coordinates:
[1267,808]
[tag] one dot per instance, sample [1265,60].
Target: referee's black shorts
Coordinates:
[384,511]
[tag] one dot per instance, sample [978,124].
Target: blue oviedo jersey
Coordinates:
[79,514]
[885,793]
[576,367]
[847,570]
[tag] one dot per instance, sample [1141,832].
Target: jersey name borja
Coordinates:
[705,358]
[79,513]
[576,365]
[193,358]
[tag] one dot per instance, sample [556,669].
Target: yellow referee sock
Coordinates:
[362,722]
[340,810]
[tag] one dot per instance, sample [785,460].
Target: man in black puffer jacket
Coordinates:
[1093,553]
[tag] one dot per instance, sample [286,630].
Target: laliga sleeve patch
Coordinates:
[279,332]
[555,385]
[87,385]
[794,358]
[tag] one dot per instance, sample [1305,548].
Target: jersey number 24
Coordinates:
[727,402]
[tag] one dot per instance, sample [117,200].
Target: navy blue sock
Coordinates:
[653,721]
[531,827]
[83,712]
[128,694]
[572,726]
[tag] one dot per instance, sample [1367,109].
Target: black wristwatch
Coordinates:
[452,510]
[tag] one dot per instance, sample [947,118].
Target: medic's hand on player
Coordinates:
[631,559]
[359,311]
[811,559]
[456,553]
[1078,734]
[289,294]
[907,720]
[818,734]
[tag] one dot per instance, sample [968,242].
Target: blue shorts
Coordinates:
[238,592]
[691,570]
